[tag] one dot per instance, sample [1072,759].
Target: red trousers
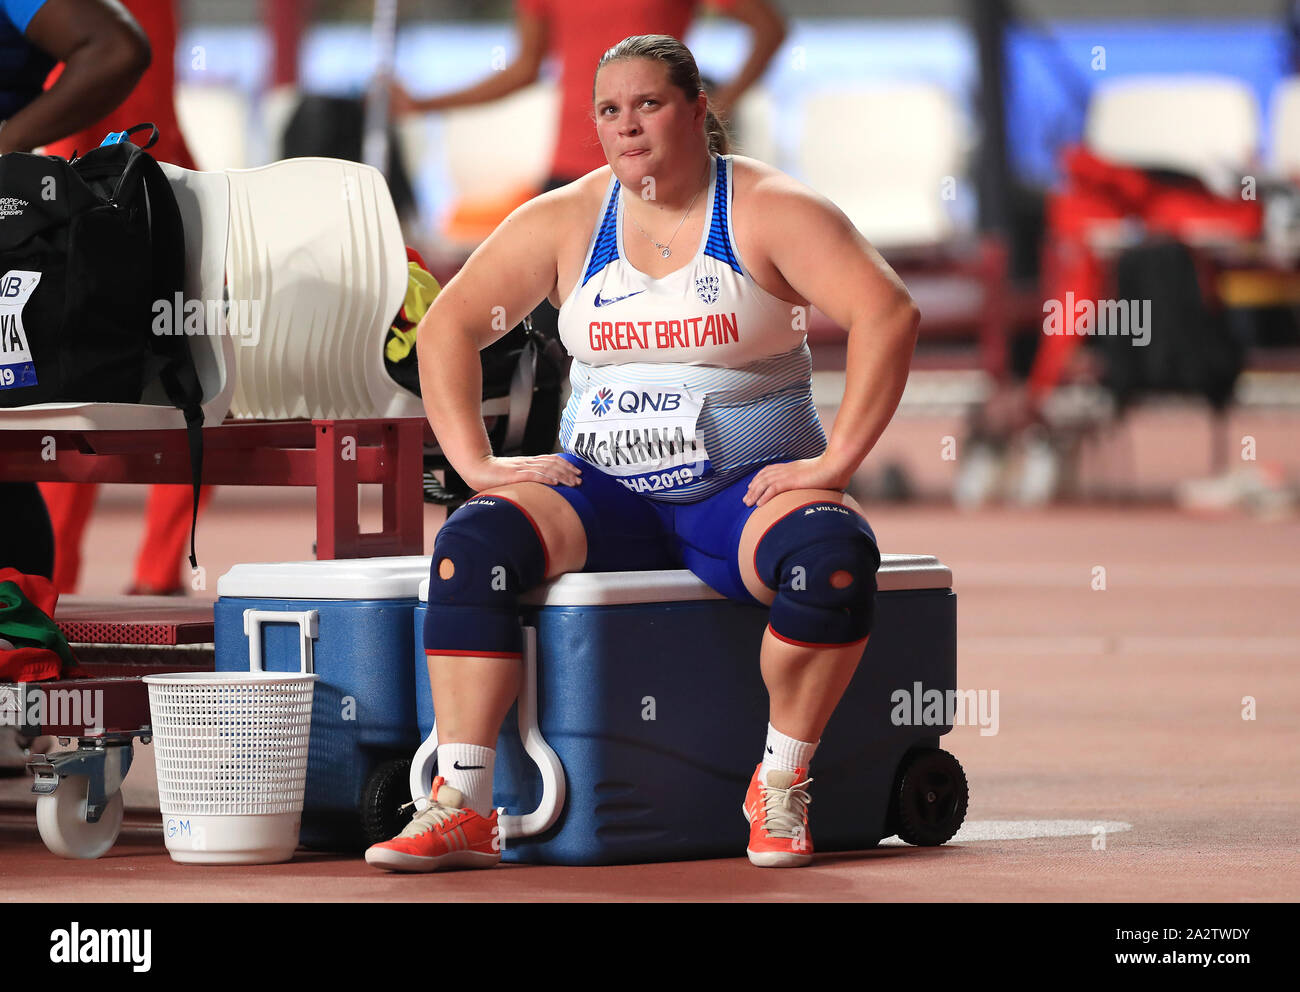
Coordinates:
[162,551]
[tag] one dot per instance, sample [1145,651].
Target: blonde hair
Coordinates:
[682,73]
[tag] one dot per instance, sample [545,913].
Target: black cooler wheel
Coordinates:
[930,796]
[386,791]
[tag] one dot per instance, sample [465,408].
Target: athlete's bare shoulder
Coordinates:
[749,170]
[575,212]
[764,188]
[767,206]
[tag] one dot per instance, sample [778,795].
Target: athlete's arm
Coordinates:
[506,277]
[767,32]
[105,52]
[515,75]
[828,262]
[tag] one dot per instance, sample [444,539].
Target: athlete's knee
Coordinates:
[486,554]
[822,559]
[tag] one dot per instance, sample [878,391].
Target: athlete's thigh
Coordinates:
[598,526]
[763,517]
[556,523]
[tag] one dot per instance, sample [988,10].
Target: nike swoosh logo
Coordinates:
[605,303]
[770,751]
[465,768]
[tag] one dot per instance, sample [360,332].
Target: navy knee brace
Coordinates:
[494,552]
[800,554]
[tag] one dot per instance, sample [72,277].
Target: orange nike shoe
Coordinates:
[778,819]
[444,835]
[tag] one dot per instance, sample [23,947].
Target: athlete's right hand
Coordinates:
[551,470]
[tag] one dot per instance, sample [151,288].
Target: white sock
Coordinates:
[468,769]
[785,753]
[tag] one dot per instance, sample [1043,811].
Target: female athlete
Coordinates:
[683,276]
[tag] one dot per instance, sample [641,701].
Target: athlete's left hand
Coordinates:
[809,473]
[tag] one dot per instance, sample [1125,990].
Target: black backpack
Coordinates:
[334,127]
[1192,350]
[87,248]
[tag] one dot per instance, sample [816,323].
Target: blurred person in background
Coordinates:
[577,33]
[158,564]
[104,50]
[105,53]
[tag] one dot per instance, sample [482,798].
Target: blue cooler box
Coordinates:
[363,712]
[649,691]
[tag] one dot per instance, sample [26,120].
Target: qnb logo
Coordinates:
[630,401]
[601,402]
[13,283]
[77,946]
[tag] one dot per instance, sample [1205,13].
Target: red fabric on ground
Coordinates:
[31,664]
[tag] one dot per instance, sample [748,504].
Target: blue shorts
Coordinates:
[628,532]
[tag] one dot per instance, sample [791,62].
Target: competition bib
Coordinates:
[644,436]
[16,367]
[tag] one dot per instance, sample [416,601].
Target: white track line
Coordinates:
[980,830]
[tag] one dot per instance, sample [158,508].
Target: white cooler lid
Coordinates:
[897,572]
[341,578]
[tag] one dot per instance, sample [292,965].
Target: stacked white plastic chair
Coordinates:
[317,271]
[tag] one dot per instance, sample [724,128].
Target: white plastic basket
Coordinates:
[231,753]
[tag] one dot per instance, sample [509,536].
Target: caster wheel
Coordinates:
[386,791]
[930,796]
[61,820]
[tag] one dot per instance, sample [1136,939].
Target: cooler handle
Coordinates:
[548,762]
[308,622]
